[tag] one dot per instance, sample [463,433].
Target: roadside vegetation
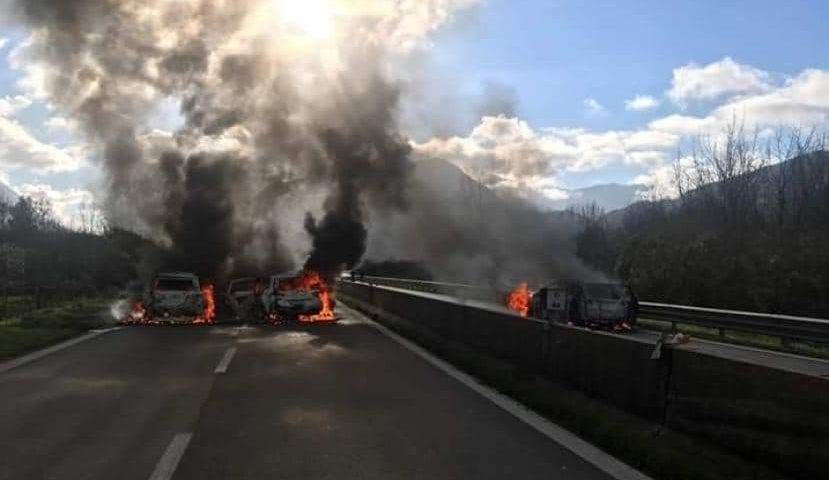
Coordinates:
[56,282]
[22,330]
[748,229]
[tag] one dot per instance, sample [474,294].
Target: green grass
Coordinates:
[34,329]
[647,446]
[15,340]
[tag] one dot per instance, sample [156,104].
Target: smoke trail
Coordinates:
[275,112]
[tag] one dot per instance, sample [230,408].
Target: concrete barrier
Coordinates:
[765,414]
[606,366]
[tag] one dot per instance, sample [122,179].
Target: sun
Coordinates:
[312,18]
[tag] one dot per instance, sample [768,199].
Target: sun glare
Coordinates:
[313,18]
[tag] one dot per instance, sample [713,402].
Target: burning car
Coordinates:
[596,305]
[178,297]
[243,296]
[306,297]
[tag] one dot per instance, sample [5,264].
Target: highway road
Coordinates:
[238,402]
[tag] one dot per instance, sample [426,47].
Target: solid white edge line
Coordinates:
[600,459]
[38,354]
[172,456]
[225,361]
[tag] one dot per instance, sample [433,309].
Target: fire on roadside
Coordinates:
[520,298]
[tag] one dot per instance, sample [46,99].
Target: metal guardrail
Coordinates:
[783,326]
[787,327]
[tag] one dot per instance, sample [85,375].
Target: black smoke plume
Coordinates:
[268,126]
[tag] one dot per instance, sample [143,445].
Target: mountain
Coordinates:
[7,195]
[787,182]
[607,196]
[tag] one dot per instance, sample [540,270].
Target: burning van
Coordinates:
[598,305]
[178,297]
[305,297]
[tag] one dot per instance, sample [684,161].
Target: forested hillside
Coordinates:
[44,262]
[745,232]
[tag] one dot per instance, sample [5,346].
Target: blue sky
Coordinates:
[555,53]
[571,67]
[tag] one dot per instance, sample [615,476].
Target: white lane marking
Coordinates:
[601,460]
[37,355]
[225,362]
[169,461]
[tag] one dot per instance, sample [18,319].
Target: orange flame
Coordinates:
[519,299]
[312,280]
[208,317]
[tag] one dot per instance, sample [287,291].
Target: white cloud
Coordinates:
[11,105]
[406,24]
[3,42]
[69,206]
[685,126]
[802,100]
[58,123]
[507,152]
[725,78]
[20,150]
[641,102]
[592,106]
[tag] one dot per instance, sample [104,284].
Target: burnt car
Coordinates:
[287,297]
[591,304]
[175,296]
[243,297]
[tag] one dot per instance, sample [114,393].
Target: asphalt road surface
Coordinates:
[231,402]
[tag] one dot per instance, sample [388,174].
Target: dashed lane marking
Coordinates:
[225,361]
[172,456]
